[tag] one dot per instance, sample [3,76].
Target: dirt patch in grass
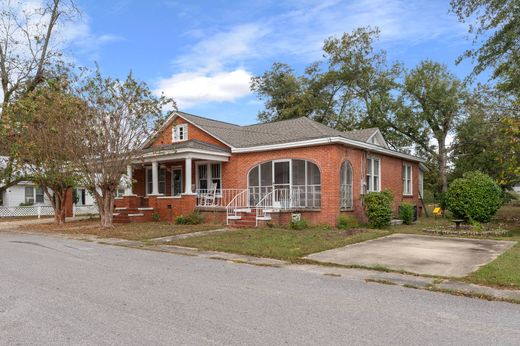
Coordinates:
[284,244]
[131,231]
[23,218]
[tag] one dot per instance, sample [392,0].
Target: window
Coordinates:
[40,197]
[120,192]
[208,174]
[346,185]
[161,180]
[407,179]
[180,133]
[29,195]
[373,173]
[297,183]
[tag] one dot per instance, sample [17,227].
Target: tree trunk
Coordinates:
[443,161]
[106,209]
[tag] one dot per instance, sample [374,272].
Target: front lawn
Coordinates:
[279,243]
[132,231]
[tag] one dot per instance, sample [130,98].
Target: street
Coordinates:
[57,291]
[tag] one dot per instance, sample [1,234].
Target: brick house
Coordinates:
[249,175]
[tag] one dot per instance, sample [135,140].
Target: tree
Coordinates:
[120,115]
[28,50]
[353,87]
[45,118]
[488,140]
[496,26]
[431,105]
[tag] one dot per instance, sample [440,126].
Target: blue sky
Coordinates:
[203,53]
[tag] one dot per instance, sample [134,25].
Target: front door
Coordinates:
[282,183]
[176,181]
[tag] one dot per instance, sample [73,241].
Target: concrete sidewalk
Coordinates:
[10,225]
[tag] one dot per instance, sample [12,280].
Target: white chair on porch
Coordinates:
[210,197]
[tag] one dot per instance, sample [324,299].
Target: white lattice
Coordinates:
[86,210]
[33,210]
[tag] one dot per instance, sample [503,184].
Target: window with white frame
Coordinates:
[161,180]
[29,195]
[407,179]
[208,175]
[373,174]
[346,185]
[39,196]
[180,133]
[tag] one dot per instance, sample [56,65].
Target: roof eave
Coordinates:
[328,140]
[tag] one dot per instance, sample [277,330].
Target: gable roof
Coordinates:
[241,138]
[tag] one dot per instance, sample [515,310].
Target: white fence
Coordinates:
[85,210]
[44,210]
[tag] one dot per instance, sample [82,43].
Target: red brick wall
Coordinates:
[329,159]
[193,133]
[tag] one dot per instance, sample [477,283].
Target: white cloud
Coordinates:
[190,88]
[296,34]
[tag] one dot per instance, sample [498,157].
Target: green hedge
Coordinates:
[406,211]
[474,197]
[378,208]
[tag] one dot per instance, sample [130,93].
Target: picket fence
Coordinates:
[44,210]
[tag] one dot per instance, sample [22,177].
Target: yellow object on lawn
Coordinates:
[437,211]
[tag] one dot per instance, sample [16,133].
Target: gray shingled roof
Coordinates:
[191,144]
[284,131]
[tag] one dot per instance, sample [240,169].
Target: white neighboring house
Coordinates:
[27,193]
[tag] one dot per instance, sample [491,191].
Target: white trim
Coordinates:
[411,179]
[328,140]
[371,180]
[170,120]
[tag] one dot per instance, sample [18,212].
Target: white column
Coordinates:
[128,189]
[155,178]
[187,179]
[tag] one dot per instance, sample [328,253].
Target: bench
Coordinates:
[457,223]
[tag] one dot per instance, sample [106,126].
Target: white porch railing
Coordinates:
[222,198]
[240,201]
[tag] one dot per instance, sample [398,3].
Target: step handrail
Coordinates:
[260,206]
[233,204]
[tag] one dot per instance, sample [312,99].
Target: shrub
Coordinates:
[181,220]
[300,224]
[346,222]
[194,218]
[474,197]
[406,211]
[378,207]
[156,217]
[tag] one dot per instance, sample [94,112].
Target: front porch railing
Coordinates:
[222,197]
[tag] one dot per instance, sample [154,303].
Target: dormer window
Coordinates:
[180,133]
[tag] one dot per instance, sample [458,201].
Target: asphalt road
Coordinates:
[55,291]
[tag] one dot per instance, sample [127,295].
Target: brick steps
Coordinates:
[247,219]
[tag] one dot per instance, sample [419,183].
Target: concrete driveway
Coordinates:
[419,254]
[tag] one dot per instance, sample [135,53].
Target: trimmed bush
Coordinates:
[406,211]
[346,222]
[378,208]
[299,225]
[195,218]
[474,197]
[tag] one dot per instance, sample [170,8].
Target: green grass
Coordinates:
[284,244]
